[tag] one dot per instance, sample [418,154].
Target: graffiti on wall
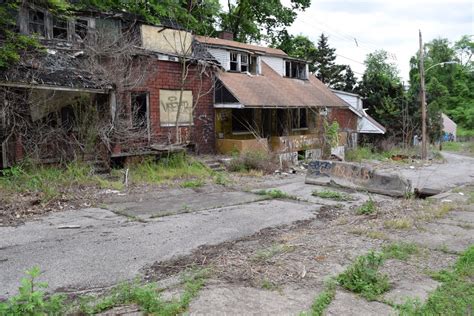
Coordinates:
[169,105]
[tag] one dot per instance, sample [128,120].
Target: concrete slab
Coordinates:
[222,299]
[181,201]
[350,304]
[107,248]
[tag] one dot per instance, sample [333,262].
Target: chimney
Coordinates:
[226,35]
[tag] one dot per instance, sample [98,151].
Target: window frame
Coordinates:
[296,70]
[298,119]
[32,11]
[244,130]
[146,121]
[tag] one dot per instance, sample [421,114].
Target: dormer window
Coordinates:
[59,28]
[295,69]
[239,62]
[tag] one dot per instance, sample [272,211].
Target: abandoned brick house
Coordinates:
[126,75]
[112,80]
[265,100]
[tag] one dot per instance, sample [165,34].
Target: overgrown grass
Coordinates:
[466,147]
[367,208]
[255,160]
[50,182]
[147,297]
[333,195]
[400,251]
[175,167]
[266,254]
[399,223]
[369,153]
[363,277]
[455,296]
[276,194]
[193,183]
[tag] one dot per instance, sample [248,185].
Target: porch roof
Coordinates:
[270,90]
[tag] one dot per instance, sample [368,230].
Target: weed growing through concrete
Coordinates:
[367,208]
[221,179]
[268,285]
[322,301]
[363,277]
[400,251]
[276,194]
[147,297]
[32,300]
[333,195]
[455,295]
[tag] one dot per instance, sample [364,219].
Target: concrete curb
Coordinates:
[354,176]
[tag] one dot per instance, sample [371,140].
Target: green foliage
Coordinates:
[400,251]
[455,296]
[467,147]
[363,277]
[253,21]
[276,194]
[32,300]
[367,208]
[331,133]
[148,297]
[333,195]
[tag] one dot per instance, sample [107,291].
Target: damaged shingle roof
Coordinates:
[272,90]
[55,67]
[212,41]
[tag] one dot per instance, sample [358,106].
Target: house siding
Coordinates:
[222,56]
[276,63]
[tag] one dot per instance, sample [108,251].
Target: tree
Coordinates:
[326,68]
[298,46]
[383,92]
[349,81]
[253,21]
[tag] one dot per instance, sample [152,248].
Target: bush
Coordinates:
[367,208]
[363,276]
[31,300]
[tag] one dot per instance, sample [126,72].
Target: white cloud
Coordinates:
[378,24]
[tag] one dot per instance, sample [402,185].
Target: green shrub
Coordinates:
[367,208]
[32,300]
[363,277]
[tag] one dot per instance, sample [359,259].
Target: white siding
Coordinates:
[352,100]
[276,63]
[222,56]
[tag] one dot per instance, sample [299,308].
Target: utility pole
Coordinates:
[424,137]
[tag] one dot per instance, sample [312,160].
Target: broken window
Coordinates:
[139,102]
[244,62]
[295,69]
[253,65]
[299,118]
[80,29]
[242,120]
[59,28]
[234,61]
[36,23]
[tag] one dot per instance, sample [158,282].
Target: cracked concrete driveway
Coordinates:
[108,248]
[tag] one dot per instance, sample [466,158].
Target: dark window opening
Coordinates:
[139,109]
[242,120]
[301,155]
[36,23]
[81,28]
[68,118]
[234,62]
[295,69]
[253,65]
[244,62]
[299,118]
[59,28]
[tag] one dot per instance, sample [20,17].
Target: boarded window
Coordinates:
[139,102]
[242,120]
[299,118]
[59,28]
[170,105]
[36,23]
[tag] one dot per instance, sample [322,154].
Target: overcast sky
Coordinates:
[389,25]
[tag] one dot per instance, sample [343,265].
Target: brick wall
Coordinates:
[167,75]
[346,118]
